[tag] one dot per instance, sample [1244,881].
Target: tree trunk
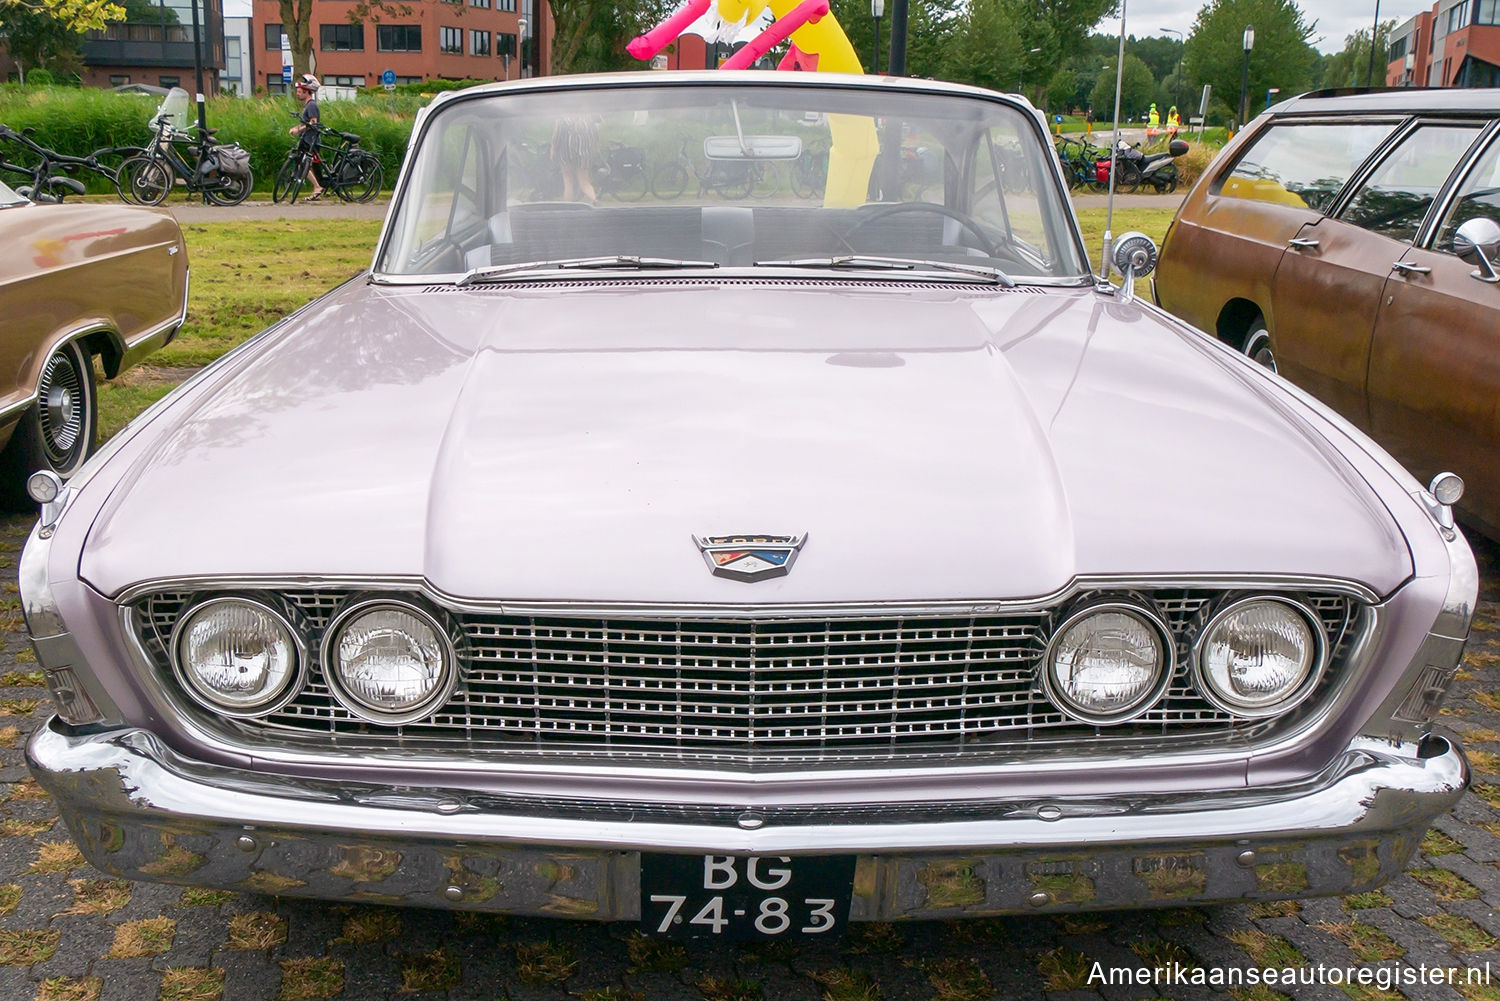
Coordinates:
[296,21]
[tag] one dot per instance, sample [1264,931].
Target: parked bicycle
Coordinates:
[731,180]
[622,175]
[339,163]
[220,172]
[48,173]
[1080,163]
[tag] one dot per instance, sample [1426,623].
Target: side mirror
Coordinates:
[1477,242]
[1134,256]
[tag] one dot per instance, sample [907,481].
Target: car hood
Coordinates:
[564,442]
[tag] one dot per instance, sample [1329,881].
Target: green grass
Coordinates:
[1152,222]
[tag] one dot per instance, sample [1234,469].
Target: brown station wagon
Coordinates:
[76,282]
[1349,242]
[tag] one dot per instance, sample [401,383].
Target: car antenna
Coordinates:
[1114,144]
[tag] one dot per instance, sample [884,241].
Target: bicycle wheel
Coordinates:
[282,186]
[146,179]
[766,179]
[669,180]
[731,181]
[1128,181]
[300,168]
[232,190]
[630,183]
[360,177]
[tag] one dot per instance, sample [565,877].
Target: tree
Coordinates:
[589,36]
[984,48]
[1137,89]
[1351,67]
[74,16]
[1281,57]
[930,27]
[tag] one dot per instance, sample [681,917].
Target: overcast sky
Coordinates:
[1336,18]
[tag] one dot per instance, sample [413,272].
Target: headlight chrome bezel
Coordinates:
[442,691]
[1300,694]
[289,689]
[1052,686]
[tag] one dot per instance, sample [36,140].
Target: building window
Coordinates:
[1489,12]
[480,3]
[451,40]
[342,37]
[479,43]
[505,44]
[273,37]
[1458,16]
[233,61]
[118,79]
[509,5]
[398,37]
[275,85]
[168,81]
[334,80]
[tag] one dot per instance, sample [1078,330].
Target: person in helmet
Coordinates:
[306,130]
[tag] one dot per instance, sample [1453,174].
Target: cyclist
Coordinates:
[307,131]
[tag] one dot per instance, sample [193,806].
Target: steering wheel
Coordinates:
[968,222]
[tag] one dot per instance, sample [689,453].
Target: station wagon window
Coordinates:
[1303,165]
[1395,198]
[1478,197]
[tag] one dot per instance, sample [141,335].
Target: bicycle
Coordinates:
[1080,162]
[220,172]
[623,173]
[351,173]
[732,180]
[809,173]
[43,184]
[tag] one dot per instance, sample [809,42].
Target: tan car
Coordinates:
[77,282]
[1349,243]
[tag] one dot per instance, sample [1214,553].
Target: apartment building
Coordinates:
[1456,44]
[438,40]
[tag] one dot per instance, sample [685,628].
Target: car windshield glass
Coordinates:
[740,175]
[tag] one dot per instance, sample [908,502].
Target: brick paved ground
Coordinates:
[69,934]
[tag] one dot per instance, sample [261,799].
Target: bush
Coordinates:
[1192,164]
[79,121]
[40,78]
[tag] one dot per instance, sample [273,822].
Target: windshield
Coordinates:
[731,176]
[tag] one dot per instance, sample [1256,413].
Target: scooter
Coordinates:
[1158,170]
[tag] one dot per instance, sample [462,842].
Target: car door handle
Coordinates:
[1302,243]
[1407,268]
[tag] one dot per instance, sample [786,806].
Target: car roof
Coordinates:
[1402,100]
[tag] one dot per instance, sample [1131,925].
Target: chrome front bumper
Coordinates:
[142,811]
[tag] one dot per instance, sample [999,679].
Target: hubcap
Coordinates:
[62,416]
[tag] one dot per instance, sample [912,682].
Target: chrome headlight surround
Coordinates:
[1304,688]
[1166,667]
[441,692]
[278,698]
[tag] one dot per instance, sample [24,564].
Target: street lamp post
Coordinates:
[520,44]
[1245,76]
[877,8]
[1370,73]
[1182,40]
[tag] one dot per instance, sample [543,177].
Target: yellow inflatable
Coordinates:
[817,44]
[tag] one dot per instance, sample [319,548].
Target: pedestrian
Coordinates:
[575,142]
[307,129]
[1153,123]
[1088,120]
[1174,122]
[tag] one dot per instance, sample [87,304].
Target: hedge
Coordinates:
[77,121]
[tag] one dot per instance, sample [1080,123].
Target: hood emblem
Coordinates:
[749,557]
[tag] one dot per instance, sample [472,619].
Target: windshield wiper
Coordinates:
[860,262]
[623,262]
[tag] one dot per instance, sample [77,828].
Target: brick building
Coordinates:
[439,40]
[1456,44]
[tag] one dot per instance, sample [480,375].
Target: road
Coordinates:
[69,934]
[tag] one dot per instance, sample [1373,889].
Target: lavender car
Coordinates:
[808,541]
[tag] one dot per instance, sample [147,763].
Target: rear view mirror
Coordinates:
[1477,242]
[752,147]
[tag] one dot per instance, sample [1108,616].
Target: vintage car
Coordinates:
[744,560]
[78,282]
[1352,243]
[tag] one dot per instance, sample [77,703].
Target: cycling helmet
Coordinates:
[308,82]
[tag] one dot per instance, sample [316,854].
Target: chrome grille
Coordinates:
[764,689]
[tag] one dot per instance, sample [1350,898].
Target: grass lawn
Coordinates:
[247,275]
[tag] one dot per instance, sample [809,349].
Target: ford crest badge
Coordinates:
[749,557]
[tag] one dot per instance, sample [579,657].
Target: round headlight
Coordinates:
[1260,656]
[388,662]
[236,656]
[1108,663]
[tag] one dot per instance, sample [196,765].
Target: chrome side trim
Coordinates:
[158,336]
[982,606]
